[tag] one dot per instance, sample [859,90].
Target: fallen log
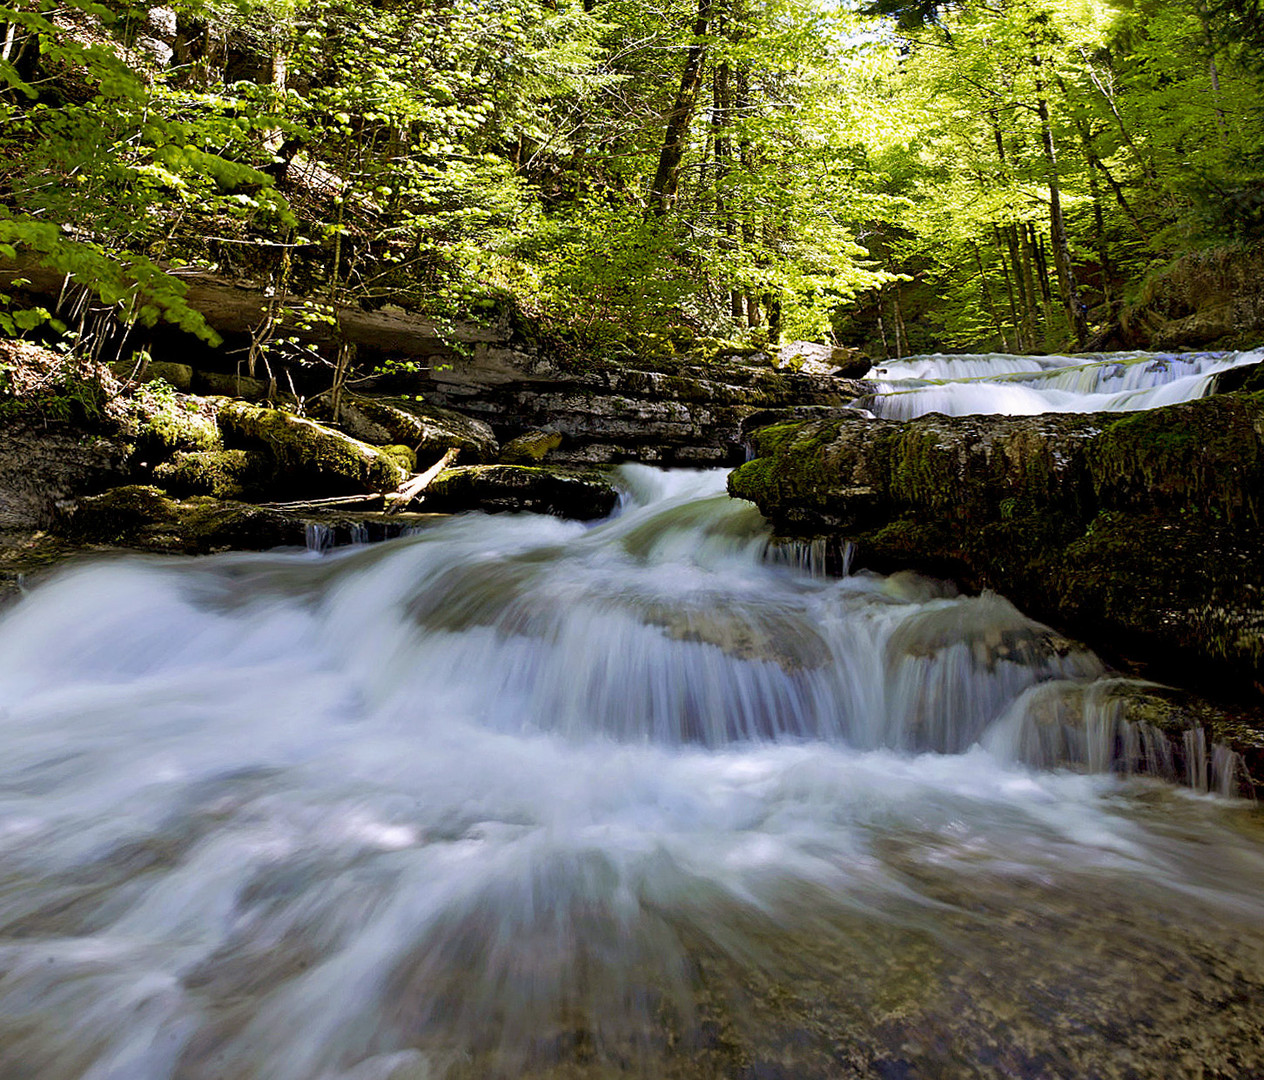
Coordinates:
[409,491]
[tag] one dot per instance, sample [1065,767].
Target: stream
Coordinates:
[520,797]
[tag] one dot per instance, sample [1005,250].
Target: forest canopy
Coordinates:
[919,174]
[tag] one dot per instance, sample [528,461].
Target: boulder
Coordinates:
[219,384]
[139,516]
[226,474]
[177,376]
[530,448]
[313,457]
[42,463]
[1137,533]
[430,430]
[579,494]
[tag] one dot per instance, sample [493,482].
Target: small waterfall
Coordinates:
[517,797]
[998,383]
[1109,725]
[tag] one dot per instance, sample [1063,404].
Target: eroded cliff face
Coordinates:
[1140,533]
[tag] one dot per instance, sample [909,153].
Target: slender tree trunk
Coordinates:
[1032,278]
[901,332]
[1009,291]
[987,298]
[667,176]
[1099,227]
[1213,71]
[1068,289]
[721,109]
[746,154]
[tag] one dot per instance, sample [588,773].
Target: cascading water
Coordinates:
[999,383]
[516,797]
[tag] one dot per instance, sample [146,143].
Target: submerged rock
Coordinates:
[1139,533]
[580,494]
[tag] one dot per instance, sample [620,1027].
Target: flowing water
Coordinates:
[999,383]
[516,797]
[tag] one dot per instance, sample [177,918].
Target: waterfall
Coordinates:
[519,797]
[998,383]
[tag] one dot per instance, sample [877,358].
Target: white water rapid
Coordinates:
[516,797]
[959,385]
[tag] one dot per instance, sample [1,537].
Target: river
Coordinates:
[518,797]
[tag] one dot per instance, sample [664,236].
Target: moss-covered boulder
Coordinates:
[221,384]
[162,421]
[1140,534]
[579,494]
[141,516]
[226,474]
[312,457]
[177,376]
[429,430]
[530,448]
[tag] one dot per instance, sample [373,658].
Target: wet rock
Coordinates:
[140,516]
[1243,377]
[1140,533]
[579,494]
[1128,726]
[530,449]
[430,430]
[686,414]
[312,456]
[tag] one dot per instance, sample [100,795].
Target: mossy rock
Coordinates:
[141,516]
[177,376]
[1139,533]
[221,384]
[530,448]
[162,422]
[313,457]
[579,494]
[226,474]
[429,430]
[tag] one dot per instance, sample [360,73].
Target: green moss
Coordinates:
[1204,456]
[226,474]
[533,446]
[402,456]
[315,452]
[163,422]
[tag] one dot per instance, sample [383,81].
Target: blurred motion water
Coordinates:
[516,797]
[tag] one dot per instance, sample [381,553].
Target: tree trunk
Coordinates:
[667,176]
[987,298]
[1036,284]
[1068,289]
[1014,318]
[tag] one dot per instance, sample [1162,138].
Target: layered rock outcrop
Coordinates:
[1140,533]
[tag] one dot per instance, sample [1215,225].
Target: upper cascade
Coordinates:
[976,383]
